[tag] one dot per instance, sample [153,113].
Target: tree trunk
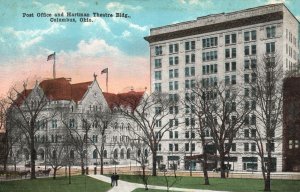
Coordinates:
[69,174]
[154,161]
[54,172]
[32,156]
[206,180]
[222,162]
[82,166]
[268,168]
[101,165]
[204,164]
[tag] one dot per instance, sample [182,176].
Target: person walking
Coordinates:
[112,179]
[117,178]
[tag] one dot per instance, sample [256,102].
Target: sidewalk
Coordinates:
[125,186]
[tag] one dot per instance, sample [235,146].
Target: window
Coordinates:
[173,73]
[176,147]
[190,45]
[193,147]
[246,146]
[209,69]
[157,75]
[158,123]
[247,50]
[270,47]
[246,92]
[227,67]
[170,134]
[210,42]
[158,50]
[170,147]
[187,134]
[233,79]
[233,147]
[189,71]
[157,63]
[209,56]
[54,123]
[170,86]
[173,60]
[157,87]
[253,133]
[230,53]
[246,133]
[157,110]
[190,58]
[253,146]
[176,134]
[187,147]
[72,123]
[246,78]
[173,48]
[250,36]
[253,120]
[230,39]
[271,31]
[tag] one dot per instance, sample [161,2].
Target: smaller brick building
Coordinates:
[291,124]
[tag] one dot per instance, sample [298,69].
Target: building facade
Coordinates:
[217,47]
[74,108]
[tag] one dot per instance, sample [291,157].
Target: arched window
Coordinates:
[95,154]
[104,154]
[116,154]
[128,154]
[41,154]
[122,154]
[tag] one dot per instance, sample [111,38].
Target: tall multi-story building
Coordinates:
[216,47]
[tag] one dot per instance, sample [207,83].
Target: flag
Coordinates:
[51,56]
[104,71]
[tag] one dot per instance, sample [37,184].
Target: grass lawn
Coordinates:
[149,190]
[241,185]
[61,184]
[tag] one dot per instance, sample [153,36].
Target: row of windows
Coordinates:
[229,39]
[209,69]
[229,54]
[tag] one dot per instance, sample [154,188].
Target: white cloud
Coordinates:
[95,47]
[28,38]
[126,34]
[200,3]
[54,8]
[276,1]
[82,4]
[98,21]
[119,7]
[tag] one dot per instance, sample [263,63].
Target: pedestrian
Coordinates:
[117,178]
[112,179]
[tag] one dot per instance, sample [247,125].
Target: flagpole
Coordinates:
[54,67]
[107,81]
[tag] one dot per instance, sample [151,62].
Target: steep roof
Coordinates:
[130,99]
[57,89]
[22,96]
[79,89]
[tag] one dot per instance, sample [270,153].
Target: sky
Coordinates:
[85,48]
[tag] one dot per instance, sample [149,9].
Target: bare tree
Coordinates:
[101,122]
[152,117]
[269,99]
[141,157]
[27,106]
[57,151]
[78,134]
[195,105]
[220,108]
